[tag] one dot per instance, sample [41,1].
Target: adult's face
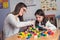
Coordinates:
[22,11]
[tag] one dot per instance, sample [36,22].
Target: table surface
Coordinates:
[55,37]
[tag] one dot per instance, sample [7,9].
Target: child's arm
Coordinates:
[50,26]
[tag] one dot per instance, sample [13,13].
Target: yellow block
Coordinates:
[5,4]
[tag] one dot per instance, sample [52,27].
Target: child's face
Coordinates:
[39,18]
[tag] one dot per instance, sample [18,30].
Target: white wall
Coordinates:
[31,10]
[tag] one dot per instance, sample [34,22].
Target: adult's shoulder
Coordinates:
[10,14]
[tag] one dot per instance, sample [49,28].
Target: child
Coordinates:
[42,22]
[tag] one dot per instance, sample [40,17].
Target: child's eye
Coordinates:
[39,17]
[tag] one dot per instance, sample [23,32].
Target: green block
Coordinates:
[45,35]
[39,36]
[20,33]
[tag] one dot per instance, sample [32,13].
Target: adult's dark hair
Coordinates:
[21,18]
[17,10]
[40,12]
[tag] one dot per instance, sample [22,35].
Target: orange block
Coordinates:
[46,32]
[1,1]
[5,0]
[19,36]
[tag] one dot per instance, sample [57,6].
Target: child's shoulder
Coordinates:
[48,22]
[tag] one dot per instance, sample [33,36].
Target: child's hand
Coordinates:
[46,28]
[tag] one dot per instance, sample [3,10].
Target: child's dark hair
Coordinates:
[41,13]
